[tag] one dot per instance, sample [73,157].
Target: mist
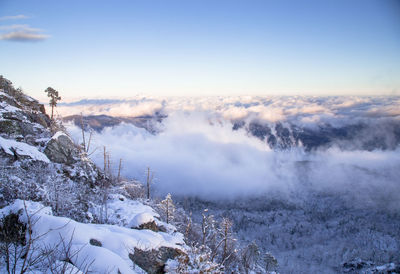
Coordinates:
[197,154]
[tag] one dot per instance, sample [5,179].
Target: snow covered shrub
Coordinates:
[12,230]
[17,246]
[198,260]
[133,190]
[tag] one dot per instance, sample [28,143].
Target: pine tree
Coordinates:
[54,98]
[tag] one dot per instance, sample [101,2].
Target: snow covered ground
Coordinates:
[98,247]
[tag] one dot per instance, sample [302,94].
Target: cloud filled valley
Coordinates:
[313,180]
[216,147]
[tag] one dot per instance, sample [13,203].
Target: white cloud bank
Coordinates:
[295,109]
[194,155]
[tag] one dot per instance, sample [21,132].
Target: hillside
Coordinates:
[62,214]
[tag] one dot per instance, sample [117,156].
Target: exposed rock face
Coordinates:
[61,149]
[153,261]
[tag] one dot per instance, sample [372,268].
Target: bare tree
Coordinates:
[208,230]
[149,181]
[168,208]
[119,170]
[249,257]
[225,248]
[85,145]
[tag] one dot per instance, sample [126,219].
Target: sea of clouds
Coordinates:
[196,151]
[337,110]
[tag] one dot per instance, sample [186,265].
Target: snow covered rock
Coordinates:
[22,150]
[61,149]
[144,221]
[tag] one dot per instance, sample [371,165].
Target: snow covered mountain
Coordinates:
[62,214]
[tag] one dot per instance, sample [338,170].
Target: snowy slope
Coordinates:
[104,248]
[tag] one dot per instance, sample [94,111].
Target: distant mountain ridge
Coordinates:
[353,123]
[384,135]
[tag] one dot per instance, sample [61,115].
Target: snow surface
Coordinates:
[125,212]
[116,242]
[22,149]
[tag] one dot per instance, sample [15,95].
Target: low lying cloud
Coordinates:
[192,156]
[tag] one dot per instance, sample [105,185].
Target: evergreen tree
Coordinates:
[54,98]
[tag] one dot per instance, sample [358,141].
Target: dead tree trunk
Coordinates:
[148,183]
[119,170]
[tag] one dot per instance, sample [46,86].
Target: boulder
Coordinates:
[153,261]
[95,242]
[61,149]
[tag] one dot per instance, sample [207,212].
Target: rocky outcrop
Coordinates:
[21,117]
[153,261]
[60,149]
[34,163]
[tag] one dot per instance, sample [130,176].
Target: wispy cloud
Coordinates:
[23,36]
[24,27]
[22,33]
[14,17]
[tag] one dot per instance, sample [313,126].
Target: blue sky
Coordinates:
[200,47]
